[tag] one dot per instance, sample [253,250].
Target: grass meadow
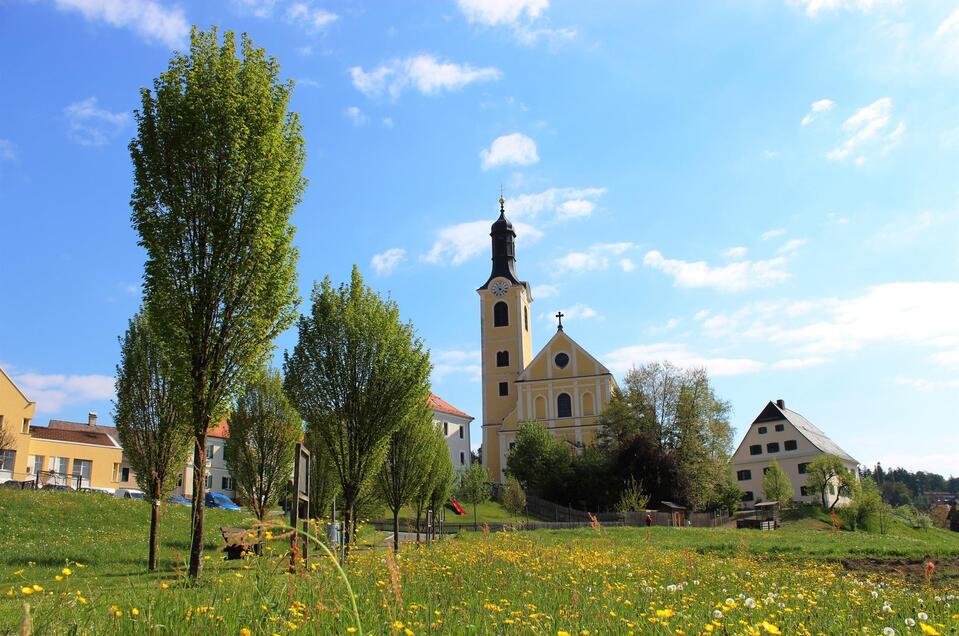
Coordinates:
[79,560]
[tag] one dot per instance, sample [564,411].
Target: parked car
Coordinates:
[97,491]
[28,484]
[179,500]
[130,493]
[219,500]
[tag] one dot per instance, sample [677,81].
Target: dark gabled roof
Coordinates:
[83,426]
[810,431]
[78,437]
[439,404]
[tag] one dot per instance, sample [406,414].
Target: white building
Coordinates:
[218,477]
[794,442]
[455,425]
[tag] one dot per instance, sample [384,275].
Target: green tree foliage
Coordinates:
[866,509]
[473,487]
[151,419]
[324,487]
[406,466]
[264,431]
[356,374]
[632,499]
[828,471]
[217,170]
[513,498]
[776,485]
[435,489]
[538,460]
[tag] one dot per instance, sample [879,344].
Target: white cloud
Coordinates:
[914,314]
[814,7]
[908,228]
[259,8]
[865,128]
[624,359]
[946,358]
[456,244]
[423,72]
[768,234]
[8,150]
[355,115]
[627,264]
[792,245]
[151,20]
[818,106]
[53,392]
[385,263]
[798,363]
[949,26]
[563,203]
[457,362]
[735,252]
[315,19]
[515,149]
[387,122]
[597,257]
[497,12]
[530,36]
[545,291]
[737,276]
[91,125]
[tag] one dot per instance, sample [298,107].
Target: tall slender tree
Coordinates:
[217,169]
[264,430]
[355,375]
[776,485]
[407,464]
[151,419]
[324,487]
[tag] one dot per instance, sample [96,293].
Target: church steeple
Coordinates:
[504,247]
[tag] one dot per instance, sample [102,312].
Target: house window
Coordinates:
[756,449]
[116,473]
[762,430]
[502,358]
[227,483]
[7,457]
[766,469]
[504,388]
[224,453]
[501,314]
[804,491]
[462,458]
[564,405]
[744,475]
[81,472]
[59,465]
[789,444]
[209,482]
[26,425]
[748,495]
[772,447]
[780,428]
[125,474]
[37,464]
[512,445]
[803,467]
[446,428]
[461,431]
[209,451]
[526,318]
[561,360]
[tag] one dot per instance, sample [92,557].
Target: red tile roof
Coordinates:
[439,404]
[221,430]
[80,437]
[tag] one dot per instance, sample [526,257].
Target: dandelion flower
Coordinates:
[27,591]
[928,629]
[246,631]
[922,616]
[67,571]
[770,628]
[910,622]
[750,603]
[134,612]
[888,631]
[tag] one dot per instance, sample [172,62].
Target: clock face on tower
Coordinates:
[500,287]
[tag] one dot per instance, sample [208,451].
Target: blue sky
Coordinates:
[769,188]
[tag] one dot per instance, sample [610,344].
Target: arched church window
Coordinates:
[564,405]
[526,318]
[502,358]
[501,314]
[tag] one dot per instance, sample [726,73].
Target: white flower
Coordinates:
[910,622]
[799,596]
[750,603]
[671,588]
[729,600]
[922,616]
[875,594]
[888,631]
[649,590]
[717,613]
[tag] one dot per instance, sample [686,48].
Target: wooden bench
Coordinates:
[239,541]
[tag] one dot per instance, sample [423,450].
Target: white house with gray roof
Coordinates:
[793,441]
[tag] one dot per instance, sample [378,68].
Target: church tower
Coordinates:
[506,339]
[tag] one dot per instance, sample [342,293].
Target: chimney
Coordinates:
[780,403]
[92,418]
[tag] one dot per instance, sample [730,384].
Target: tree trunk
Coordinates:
[154,527]
[419,515]
[347,529]
[475,527]
[396,531]
[199,484]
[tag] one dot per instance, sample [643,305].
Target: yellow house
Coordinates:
[16,414]
[79,459]
[563,386]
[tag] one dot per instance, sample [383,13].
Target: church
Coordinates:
[563,386]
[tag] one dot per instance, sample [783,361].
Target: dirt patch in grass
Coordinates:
[946,569]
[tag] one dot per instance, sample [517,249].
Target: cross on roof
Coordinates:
[560,315]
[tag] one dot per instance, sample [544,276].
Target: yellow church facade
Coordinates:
[563,386]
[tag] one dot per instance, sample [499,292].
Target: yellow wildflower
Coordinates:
[770,628]
[135,612]
[929,629]
[67,571]
[246,631]
[27,591]
[665,613]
